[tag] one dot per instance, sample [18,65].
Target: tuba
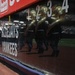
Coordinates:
[42,16]
[57,17]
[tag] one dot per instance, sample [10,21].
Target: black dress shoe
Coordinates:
[29,50]
[36,48]
[46,49]
[40,52]
[55,54]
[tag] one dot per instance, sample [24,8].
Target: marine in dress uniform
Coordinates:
[54,29]
[29,32]
[40,30]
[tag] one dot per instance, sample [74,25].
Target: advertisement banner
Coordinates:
[10,6]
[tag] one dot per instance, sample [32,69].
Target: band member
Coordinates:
[40,29]
[22,27]
[16,22]
[4,30]
[54,29]
[54,36]
[29,32]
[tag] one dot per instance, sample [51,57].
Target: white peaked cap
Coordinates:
[10,23]
[13,24]
[6,23]
[16,21]
[21,22]
[24,24]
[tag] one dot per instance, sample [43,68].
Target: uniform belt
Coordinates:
[30,30]
[56,33]
[41,30]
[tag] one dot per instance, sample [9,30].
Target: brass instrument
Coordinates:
[43,16]
[58,11]
[54,23]
[57,16]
